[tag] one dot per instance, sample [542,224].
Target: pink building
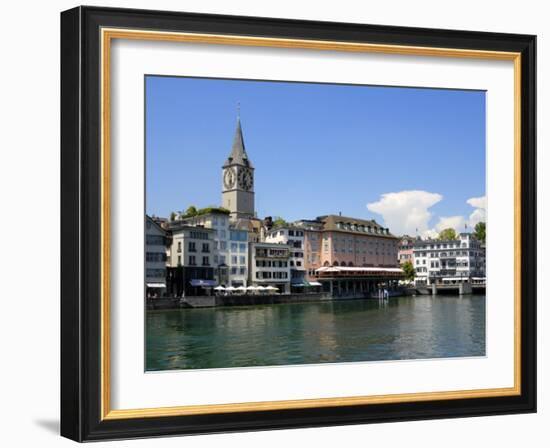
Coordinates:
[405,249]
[361,251]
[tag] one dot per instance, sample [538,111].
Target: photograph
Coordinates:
[273,223]
[291,223]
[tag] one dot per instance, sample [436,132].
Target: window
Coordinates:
[155,256]
[156,273]
[242,270]
[192,247]
[205,247]
[233,259]
[242,260]
[206,261]
[242,247]
[192,260]
[223,245]
[234,247]
[222,259]
[154,240]
[179,260]
[179,246]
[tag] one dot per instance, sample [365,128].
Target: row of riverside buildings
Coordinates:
[445,261]
[230,246]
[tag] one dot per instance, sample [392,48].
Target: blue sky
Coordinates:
[320,149]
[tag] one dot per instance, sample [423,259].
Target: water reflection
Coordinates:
[336,331]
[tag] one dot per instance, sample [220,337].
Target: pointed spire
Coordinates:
[238,152]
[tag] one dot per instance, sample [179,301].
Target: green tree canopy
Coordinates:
[409,270]
[173,216]
[279,222]
[448,234]
[480,232]
[191,211]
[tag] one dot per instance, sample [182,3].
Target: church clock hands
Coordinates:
[245,179]
[229,178]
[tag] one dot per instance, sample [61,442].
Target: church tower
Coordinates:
[238,179]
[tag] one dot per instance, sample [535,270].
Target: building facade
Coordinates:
[269,266]
[293,237]
[191,260]
[230,243]
[405,250]
[439,262]
[313,236]
[350,257]
[356,242]
[155,258]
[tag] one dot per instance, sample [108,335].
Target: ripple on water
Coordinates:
[356,330]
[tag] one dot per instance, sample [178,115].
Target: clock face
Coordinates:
[246,179]
[229,178]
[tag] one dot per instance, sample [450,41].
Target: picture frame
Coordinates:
[86,36]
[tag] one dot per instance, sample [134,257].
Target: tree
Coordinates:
[172,216]
[447,234]
[409,270]
[279,222]
[191,211]
[480,232]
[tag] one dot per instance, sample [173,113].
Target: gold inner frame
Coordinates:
[107,35]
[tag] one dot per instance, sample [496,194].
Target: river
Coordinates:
[418,327]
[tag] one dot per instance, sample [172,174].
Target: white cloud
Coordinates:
[405,212]
[450,222]
[480,212]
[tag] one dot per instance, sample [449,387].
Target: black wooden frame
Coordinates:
[80,223]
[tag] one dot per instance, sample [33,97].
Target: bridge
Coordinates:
[473,286]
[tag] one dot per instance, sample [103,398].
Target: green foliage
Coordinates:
[173,216]
[194,211]
[448,234]
[409,270]
[279,222]
[480,231]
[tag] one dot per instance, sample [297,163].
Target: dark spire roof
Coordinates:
[238,152]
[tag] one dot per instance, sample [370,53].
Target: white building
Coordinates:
[269,265]
[293,237]
[155,258]
[192,254]
[230,243]
[438,261]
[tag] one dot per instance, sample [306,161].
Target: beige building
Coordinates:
[293,237]
[269,265]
